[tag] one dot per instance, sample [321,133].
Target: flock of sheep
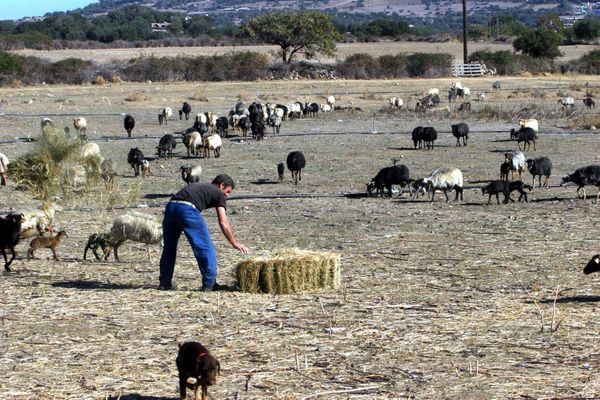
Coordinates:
[200,140]
[205,137]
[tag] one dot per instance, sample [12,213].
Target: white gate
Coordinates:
[467,70]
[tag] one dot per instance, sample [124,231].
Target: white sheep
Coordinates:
[396,102]
[89,150]
[37,222]
[294,110]
[433,91]
[193,142]
[457,85]
[331,101]
[481,97]
[190,173]
[516,159]
[137,227]
[567,102]
[445,179]
[214,143]
[80,125]
[529,123]
[146,168]
[466,91]
[3,169]
[164,115]
[325,107]
[201,117]
[211,121]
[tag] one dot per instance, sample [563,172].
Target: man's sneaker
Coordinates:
[216,287]
[170,286]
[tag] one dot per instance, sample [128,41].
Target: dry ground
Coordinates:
[440,300]
[344,50]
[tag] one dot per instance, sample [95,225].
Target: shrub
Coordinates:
[358,66]
[509,63]
[428,65]
[70,71]
[10,64]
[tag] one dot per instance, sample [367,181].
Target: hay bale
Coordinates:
[290,271]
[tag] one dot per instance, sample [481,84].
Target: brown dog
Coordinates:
[197,368]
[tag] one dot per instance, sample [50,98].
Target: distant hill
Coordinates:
[416,8]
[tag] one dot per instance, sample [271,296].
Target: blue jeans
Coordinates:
[183,217]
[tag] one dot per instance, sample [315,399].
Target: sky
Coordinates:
[16,9]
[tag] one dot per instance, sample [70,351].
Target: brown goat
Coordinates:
[197,369]
[43,242]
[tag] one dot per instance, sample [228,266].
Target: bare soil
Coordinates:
[457,300]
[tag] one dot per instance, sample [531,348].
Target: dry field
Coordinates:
[440,300]
[344,50]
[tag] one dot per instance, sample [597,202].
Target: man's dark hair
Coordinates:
[224,179]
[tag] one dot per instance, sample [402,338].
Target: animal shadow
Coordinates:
[95,285]
[137,396]
[157,195]
[501,151]
[574,299]
[264,181]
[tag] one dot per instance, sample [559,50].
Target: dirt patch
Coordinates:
[439,300]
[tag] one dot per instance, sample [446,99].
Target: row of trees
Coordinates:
[296,33]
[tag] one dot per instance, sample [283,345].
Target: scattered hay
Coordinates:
[198,96]
[137,96]
[290,271]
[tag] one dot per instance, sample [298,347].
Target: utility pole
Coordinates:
[465,35]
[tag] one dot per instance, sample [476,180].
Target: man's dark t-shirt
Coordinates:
[202,195]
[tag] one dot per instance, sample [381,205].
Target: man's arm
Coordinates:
[228,232]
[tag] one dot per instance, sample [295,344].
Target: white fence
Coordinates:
[467,70]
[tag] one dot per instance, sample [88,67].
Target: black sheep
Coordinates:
[311,109]
[197,368]
[505,168]
[460,130]
[295,162]
[165,147]
[429,136]
[589,102]
[280,171]
[593,265]
[526,135]
[258,130]
[540,166]
[222,126]
[584,176]
[495,188]
[388,176]
[506,188]
[135,158]
[246,125]
[129,124]
[520,187]
[417,136]
[10,231]
[185,109]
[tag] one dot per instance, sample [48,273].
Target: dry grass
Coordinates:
[344,50]
[137,97]
[438,301]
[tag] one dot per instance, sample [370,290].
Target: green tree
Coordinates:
[551,22]
[539,43]
[304,32]
[587,29]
